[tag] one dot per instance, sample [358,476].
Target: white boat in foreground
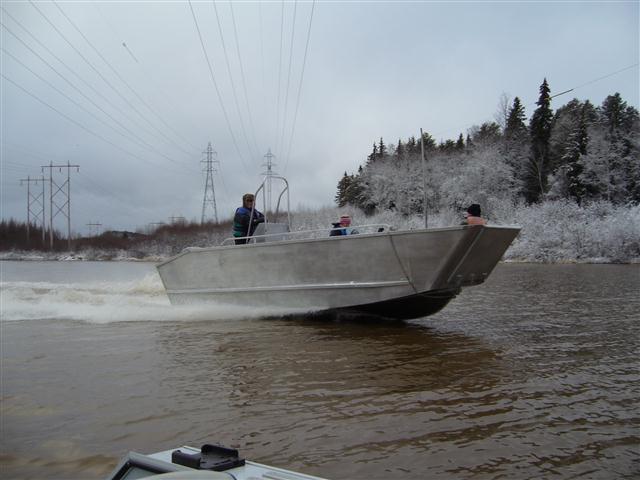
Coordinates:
[211,462]
[379,271]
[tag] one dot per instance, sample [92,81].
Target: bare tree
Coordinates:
[502,111]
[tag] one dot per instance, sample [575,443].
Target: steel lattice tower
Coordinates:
[59,192]
[209,198]
[269,173]
[35,204]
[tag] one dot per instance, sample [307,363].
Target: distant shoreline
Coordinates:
[106,256]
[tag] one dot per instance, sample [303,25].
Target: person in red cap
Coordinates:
[474,215]
[342,227]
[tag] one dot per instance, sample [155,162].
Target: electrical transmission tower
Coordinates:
[35,204]
[269,173]
[65,198]
[94,224]
[209,198]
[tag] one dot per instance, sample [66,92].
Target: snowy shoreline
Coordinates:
[106,256]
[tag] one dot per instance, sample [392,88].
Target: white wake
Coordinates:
[106,302]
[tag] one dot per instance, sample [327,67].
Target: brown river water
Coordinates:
[534,374]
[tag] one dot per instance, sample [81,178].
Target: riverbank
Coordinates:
[552,232]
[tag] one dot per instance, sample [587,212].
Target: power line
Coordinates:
[275,135]
[304,62]
[140,64]
[97,135]
[120,77]
[286,97]
[244,84]
[141,141]
[233,85]
[558,94]
[99,74]
[82,107]
[262,77]
[596,80]
[213,79]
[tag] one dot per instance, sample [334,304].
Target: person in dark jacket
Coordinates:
[243,217]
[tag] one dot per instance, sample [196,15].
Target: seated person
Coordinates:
[474,216]
[243,216]
[342,228]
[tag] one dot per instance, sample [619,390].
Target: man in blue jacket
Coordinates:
[243,217]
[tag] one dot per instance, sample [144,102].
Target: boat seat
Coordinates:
[270,229]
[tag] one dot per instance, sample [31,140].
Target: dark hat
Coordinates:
[474,210]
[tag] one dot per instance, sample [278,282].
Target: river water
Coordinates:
[534,374]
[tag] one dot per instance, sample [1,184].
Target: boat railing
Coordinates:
[309,234]
[284,190]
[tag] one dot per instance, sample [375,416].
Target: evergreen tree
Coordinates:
[621,123]
[355,190]
[373,155]
[412,146]
[613,112]
[448,146]
[429,142]
[382,149]
[566,121]
[540,131]
[400,150]
[343,187]
[515,129]
[460,143]
[516,141]
[486,134]
[576,147]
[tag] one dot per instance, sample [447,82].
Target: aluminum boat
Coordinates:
[378,271]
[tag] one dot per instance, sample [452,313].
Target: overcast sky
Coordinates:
[137,118]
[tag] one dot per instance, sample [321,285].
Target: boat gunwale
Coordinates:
[389,233]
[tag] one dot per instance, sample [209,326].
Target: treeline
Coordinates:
[13,236]
[580,152]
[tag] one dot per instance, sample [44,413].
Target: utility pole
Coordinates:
[424,180]
[91,225]
[153,226]
[269,173]
[33,202]
[66,197]
[209,192]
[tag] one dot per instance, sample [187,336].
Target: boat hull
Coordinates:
[393,274]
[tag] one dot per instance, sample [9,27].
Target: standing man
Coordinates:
[243,217]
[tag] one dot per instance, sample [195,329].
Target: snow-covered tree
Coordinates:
[540,131]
